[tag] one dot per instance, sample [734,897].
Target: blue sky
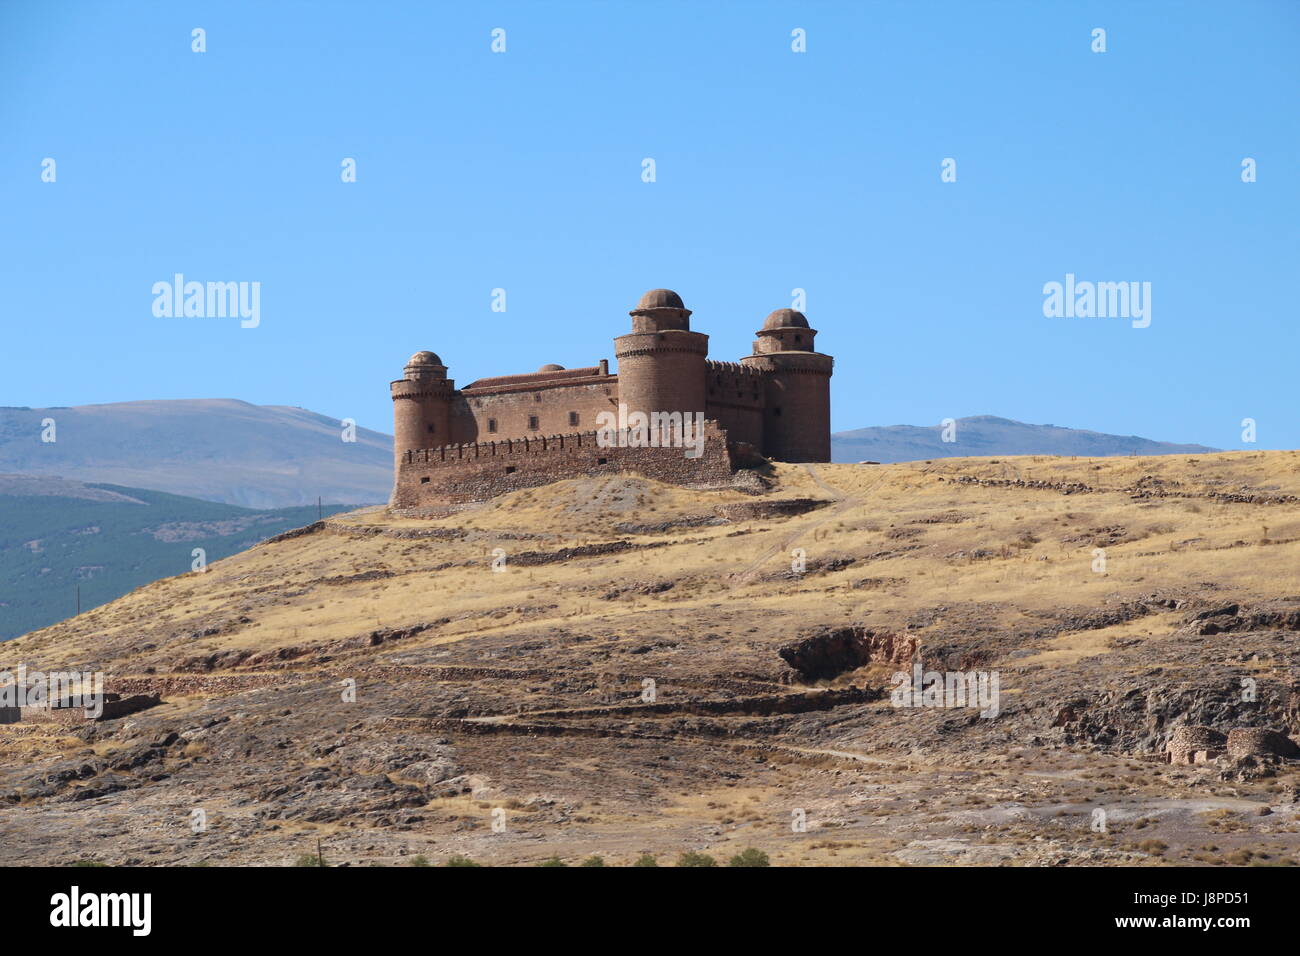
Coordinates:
[775,170]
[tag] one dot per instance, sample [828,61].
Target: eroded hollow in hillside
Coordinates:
[827,654]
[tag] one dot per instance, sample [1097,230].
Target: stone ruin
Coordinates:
[1257,742]
[1199,745]
[70,713]
[1190,745]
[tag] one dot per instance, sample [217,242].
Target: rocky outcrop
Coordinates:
[831,653]
[1232,617]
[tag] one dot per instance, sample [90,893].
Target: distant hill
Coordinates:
[989,435]
[218,449]
[56,535]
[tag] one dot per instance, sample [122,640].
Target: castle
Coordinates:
[517,431]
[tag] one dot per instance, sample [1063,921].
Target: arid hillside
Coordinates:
[615,667]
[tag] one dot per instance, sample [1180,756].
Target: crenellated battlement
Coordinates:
[542,444]
[732,368]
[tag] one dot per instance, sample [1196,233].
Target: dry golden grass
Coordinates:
[1003,548]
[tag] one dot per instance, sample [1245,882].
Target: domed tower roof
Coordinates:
[425,365]
[785,319]
[660,299]
[551,367]
[660,310]
[785,330]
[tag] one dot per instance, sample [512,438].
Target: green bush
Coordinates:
[460,861]
[419,861]
[645,859]
[553,861]
[696,859]
[750,857]
[309,859]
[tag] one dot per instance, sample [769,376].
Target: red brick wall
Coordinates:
[511,408]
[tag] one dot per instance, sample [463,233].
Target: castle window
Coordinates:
[601,461]
[573,418]
[798,338]
[510,469]
[492,424]
[537,396]
[424,480]
[430,429]
[532,422]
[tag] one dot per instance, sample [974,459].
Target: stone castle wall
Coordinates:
[735,396]
[458,474]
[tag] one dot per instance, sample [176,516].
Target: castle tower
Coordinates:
[661,361]
[421,405]
[797,417]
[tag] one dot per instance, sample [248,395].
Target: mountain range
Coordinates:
[216,449]
[982,435]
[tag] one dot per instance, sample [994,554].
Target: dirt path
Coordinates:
[843,503]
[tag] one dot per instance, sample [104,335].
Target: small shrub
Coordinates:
[645,859]
[691,858]
[593,861]
[553,861]
[460,861]
[419,861]
[309,859]
[750,857]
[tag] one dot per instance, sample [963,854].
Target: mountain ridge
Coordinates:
[227,450]
[987,435]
